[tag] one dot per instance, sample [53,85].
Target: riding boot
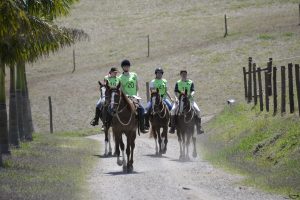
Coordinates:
[198,125]
[172,122]
[95,121]
[142,122]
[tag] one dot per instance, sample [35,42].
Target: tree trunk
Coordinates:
[20,101]
[3,113]
[28,127]
[13,120]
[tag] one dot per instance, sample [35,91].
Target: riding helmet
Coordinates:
[159,69]
[125,63]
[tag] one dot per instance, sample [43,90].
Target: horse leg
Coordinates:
[123,153]
[117,141]
[127,153]
[106,142]
[159,141]
[194,144]
[165,134]
[132,146]
[109,144]
[188,141]
[155,139]
[183,134]
[180,144]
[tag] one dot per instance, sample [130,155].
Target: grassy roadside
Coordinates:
[51,167]
[263,147]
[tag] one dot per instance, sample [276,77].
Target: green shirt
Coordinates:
[161,85]
[181,86]
[129,83]
[112,81]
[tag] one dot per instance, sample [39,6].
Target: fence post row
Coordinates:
[261,102]
[297,75]
[254,84]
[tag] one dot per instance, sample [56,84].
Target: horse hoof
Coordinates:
[194,154]
[187,158]
[120,163]
[125,169]
[164,151]
[109,154]
[129,169]
[181,158]
[115,154]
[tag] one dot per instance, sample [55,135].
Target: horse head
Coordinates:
[184,102]
[113,98]
[156,100]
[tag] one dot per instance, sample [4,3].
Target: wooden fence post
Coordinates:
[74,61]
[267,91]
[269,70]
[245,82]
[249,80]
[291,87]
[283,90]
[275,89]
[148,37]
[261,102]
[254,84]
[299,14]
[298,85]
[50,111]
[147,91]
[226,28]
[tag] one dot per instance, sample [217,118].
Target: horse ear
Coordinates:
[99,82]
[185,92]
[157,90]
[119,85]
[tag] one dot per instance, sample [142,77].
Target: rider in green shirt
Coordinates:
[162,86]
[181,86]
[130,87]
[112,81]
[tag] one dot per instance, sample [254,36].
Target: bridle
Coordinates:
[183,107]
[161,113]
[117,92]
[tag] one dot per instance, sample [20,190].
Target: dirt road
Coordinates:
[165,177]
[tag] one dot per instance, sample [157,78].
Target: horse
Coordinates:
[159,120]
[185,121]
[124,121]
[106,119]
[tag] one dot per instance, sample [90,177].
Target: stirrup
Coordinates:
[94,122]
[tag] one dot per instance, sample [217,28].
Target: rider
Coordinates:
[160,84]
[111,80]
[129,86]
[180,87]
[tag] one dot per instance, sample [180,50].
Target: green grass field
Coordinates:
[51,167]
[263,147]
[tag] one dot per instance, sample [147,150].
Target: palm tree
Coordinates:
[26,33]
[3,112]
[13,122]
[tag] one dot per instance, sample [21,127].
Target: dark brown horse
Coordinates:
[159,120]
[124,121]
[186,127]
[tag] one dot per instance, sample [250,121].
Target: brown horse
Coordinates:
[159,120]
[186,127]
[124,121]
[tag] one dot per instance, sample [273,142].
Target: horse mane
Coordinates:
[131,105]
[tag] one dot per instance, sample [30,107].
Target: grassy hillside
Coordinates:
[264,147]
[51,167]
[183,34]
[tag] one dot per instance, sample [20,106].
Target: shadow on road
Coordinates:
[121,173]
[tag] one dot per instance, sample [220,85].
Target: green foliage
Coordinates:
[265,147]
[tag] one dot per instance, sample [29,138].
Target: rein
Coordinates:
[120,111]
[162,110]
